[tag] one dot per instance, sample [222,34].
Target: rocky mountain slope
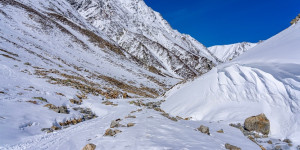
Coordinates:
[225,53]
[263,80]
[53,41]
[58,69]
[143,33]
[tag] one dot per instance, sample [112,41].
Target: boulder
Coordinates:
[204,129]
[130,124]
[259,123]
[278,147]
[63,110]
[89,146]
[110,132]
[115,123]
[287,141]
[220,131]
[125,95]
[231,147]
[270,142]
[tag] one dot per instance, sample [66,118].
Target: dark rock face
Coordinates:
[204,129]
[259,123]
[231,147]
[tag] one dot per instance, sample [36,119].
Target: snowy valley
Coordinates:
[115,75]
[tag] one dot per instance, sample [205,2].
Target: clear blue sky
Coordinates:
[217,22]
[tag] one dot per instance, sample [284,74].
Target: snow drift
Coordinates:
[265,79]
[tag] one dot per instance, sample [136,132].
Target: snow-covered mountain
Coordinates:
[143,33]
[265,80]
[58,68]
[226,53]
[51,40]
[74,72]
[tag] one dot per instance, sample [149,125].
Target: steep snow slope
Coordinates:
[266,79]
[226,53]
[51,40]
[143,33]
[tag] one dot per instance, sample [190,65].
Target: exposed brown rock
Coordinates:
[74,101]
[259,123]
[130,116]
[220,131]
[125,95]
[55,128]
[33,102]
[204,129]
[130,124]
[61,94]
[89,146]
[270,142]
[110,132]
[231,147]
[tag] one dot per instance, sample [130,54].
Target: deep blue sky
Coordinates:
[218,22]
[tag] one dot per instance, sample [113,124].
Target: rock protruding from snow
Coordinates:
[111,132]
[225,53]
[89,146]
[295,20]
[259,123]
[115,123]
[231,147]
[204,129]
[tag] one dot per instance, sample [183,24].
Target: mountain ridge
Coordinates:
[225,53]
[157,44]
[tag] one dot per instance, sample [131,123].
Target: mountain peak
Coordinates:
[144,34]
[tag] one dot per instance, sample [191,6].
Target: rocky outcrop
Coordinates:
[89,146]
[295,20]
[259,123]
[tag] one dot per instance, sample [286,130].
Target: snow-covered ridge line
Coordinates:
[143,33]
[225,53]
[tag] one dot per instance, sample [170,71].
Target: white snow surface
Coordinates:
[226,53]
[265,79]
